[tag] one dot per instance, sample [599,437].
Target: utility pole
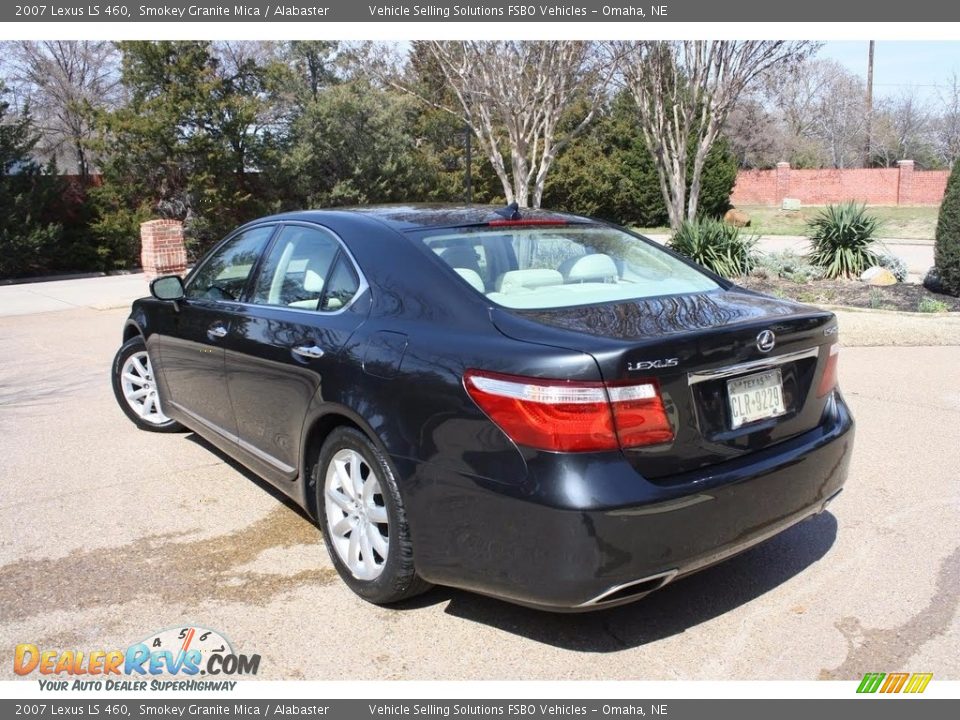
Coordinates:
[869,104]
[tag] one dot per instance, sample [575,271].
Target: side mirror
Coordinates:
[168,287]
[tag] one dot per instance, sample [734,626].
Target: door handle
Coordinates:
[307,351]
[217,331]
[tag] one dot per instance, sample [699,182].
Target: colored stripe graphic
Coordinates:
[870,683]
[895,682]
[918,682]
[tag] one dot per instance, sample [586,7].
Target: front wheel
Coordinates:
[363,519]
[135,388]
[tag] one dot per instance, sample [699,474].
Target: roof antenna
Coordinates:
[510,212]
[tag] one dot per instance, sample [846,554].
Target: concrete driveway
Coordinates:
[110,532]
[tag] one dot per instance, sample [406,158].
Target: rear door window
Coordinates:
[306,268]
[341,287]
[294,273]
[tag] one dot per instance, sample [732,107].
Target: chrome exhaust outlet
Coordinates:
[633,590]
[829,500]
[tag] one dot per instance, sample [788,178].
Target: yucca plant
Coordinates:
[843,237]
[717,246]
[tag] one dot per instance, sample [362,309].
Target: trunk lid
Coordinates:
[693,346]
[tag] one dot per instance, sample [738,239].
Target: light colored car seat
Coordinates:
[524,280]
[472,277]
[597,267]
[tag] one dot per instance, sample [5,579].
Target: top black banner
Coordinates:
[483,11]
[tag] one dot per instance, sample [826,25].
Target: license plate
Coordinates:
[755,397]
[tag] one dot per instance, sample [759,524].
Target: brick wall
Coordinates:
[902,185]
[162,250]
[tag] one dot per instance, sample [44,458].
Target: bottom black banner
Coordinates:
[874,708]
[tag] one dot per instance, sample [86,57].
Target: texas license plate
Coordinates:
[755,397]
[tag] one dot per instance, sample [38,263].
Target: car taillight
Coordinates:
[639,414]
[570,416]
[828,381]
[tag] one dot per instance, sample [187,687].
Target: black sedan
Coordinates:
[532,405]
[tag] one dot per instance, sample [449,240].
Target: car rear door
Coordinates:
[304,304]
[191,337]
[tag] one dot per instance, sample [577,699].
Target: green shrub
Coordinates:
[843,237]
[717,246]
[877,298]
[932,282]
[929,305]
[790,265]
[894,264]
[946,251]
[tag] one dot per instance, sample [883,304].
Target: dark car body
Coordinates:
[558,530]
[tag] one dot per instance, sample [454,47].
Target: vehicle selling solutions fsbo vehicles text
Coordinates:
[440,11]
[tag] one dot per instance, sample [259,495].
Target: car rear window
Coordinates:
[563,266]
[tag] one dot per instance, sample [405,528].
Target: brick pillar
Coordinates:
[905,182]
[783,181]
[162,250]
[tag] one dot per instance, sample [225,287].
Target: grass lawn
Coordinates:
[904,222]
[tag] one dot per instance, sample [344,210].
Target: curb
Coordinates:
[73,276]
[889,313]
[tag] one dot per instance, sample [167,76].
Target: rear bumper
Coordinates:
[587,531]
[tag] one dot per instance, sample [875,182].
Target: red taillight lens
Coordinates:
[828,381]
[639,414]
[568,416]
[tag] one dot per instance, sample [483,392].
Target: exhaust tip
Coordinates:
[829,500]
[633,590]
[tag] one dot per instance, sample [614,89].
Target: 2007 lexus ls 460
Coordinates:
[531,405]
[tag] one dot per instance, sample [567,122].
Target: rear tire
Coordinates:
[135,388]
[362,517]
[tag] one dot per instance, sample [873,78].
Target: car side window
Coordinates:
[341,287]
[224,275]
[295,272]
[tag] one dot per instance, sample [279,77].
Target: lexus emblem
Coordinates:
[766,340]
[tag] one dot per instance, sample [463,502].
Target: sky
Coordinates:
[899,65]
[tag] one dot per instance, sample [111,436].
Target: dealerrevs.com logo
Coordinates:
[171,659]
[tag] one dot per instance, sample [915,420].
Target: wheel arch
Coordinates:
[316,430]
[131,329]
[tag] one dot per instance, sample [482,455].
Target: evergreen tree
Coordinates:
[182,147]
[946,254]
[28,238]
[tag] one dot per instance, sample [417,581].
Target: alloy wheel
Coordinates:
[356,514]
[140,390]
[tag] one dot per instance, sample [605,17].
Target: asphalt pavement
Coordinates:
[110,533]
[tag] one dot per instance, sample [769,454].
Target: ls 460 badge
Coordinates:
[653,364]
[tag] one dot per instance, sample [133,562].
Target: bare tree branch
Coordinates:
[62,81]
[684,91]
[513,95]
